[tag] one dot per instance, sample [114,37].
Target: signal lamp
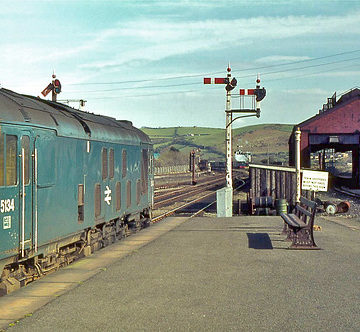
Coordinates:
[230,86]
[57,86]
[260,94]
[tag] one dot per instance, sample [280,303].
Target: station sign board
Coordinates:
[315,180]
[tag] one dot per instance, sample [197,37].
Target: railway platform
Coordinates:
[202,274]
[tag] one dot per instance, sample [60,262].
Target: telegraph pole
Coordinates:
[80,101]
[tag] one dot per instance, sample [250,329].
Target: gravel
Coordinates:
[336,197]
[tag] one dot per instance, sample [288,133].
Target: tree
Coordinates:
[172,157]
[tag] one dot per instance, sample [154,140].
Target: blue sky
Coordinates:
[144,61]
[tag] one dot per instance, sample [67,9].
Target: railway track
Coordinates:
[171,181]
[182,206]
[173,201]
[348,192]
[201,197]
[183,192]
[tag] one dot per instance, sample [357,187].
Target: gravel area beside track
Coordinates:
[333,196]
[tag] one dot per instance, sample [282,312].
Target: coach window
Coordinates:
[124,163]
[111,163]
[144,171]
[104,163]
[25,144]
[11,174]
[81,203]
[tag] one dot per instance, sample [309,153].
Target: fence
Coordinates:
[163,170]
[274,181]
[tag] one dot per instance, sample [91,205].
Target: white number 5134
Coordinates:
[7,205]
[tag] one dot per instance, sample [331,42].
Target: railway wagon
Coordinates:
[71,182]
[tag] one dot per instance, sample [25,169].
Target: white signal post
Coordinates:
[230,84]
[256,96]
[228,134]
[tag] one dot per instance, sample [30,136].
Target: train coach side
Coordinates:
[70,181]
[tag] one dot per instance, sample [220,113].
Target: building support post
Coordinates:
[321,155]
[356,167]
[297,164]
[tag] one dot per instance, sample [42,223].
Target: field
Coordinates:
[263,141]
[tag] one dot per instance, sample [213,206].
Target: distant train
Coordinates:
[204,165]
[70,182]
[242,159]
[220,166]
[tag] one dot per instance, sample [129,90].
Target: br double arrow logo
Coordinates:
[107,194]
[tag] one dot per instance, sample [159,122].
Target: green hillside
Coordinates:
[258,139]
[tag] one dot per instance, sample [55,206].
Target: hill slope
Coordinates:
[258,139]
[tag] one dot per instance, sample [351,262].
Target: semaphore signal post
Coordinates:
[54,87]
[230,85]
[256,94]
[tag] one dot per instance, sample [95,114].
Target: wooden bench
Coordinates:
[299,225]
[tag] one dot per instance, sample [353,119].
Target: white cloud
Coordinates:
[337,74]
[281,58]
[179,3]
[144,40]
[151,39]
[157,39]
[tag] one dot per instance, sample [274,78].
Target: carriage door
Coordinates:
[28,230]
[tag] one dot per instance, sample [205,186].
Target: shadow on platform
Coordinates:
[259,241]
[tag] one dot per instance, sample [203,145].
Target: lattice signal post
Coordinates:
[256,94]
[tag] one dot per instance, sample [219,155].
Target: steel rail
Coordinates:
[174,185]
[184,195]
[202,184]
[345,192]
[171,212]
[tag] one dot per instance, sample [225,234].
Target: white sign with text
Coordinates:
[314,180]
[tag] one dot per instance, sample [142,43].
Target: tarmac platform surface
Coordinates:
[213,274]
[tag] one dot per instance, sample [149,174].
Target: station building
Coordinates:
[336,127]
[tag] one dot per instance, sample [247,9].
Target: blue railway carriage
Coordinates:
[71,182]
